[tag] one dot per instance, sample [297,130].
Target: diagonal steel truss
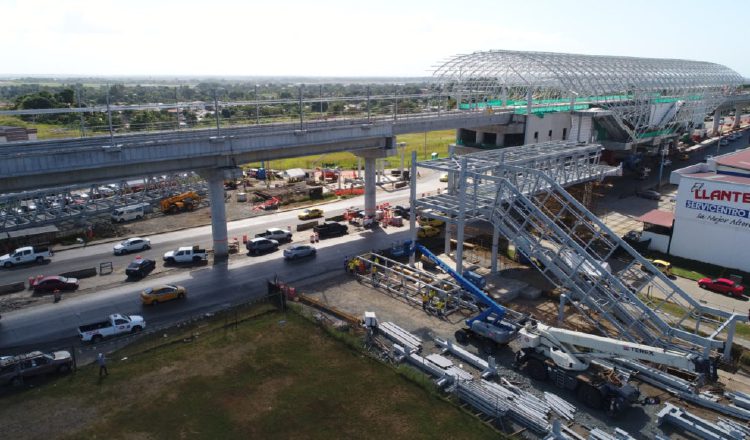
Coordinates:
[647,96]
[520,191]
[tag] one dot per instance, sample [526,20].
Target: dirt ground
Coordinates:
[355,298]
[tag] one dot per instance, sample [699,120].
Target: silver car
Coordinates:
[299,251]
[134,244]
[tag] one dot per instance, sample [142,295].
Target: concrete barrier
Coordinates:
[306,226]
[335,218]
[83,273]
[12,287]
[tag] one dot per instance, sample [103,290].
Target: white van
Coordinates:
[126,213]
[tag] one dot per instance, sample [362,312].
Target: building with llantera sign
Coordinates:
[712,212]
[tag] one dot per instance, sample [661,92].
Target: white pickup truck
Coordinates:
[114,325]
[23,255]
[278,234]
[187,254]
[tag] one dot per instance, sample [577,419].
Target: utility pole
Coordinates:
[257,106]
[78,98]
[109,119]
[301,108]
[216,112]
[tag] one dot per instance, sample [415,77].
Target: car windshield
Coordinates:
[125,242]
[148,291]
[134,265]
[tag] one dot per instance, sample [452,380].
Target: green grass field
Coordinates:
[271,376]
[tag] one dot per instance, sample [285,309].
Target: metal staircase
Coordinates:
[572,248]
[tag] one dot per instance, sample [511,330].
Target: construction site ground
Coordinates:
[355,297]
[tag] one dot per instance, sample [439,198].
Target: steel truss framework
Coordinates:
[644,94]
[79,204]
[525,201]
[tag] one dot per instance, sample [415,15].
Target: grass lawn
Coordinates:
[273,376]
[437,142]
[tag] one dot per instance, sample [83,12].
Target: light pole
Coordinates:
[661,165]
[257,106]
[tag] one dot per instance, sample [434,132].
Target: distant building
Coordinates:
[16,134]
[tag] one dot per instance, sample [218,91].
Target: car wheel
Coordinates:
[7,264]
[135,329]
[181,295]
[154,302]
[138,217]
[64,368]
[702,286]
[145,246]
[17,381]
[40,260]
[96,338]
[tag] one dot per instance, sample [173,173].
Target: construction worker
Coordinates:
[374,268]
[425,300]
[440,307]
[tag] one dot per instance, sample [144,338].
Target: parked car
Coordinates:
[722,285]
[134,244]
[55,282]
[166,292]
[648,194]
[140,267]
[444,177]
[299,251]
[261,245]
[401,211]
[427,231]
[308,214]
[14,369]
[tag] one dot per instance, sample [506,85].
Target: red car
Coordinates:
[52,283]
[722,285]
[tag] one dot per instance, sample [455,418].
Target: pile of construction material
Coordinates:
[700,427]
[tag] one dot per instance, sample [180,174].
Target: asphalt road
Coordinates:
[210,287]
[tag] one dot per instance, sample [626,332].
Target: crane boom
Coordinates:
[467,285]
[564,348]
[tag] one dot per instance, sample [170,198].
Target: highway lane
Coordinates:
[93,255]
[210,288]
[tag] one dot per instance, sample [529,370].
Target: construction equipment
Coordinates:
[564,357]
[495,323]
[186,201]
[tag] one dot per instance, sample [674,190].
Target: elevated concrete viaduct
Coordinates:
[38,164]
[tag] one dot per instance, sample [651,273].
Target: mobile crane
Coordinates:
[564,357]
[495,323]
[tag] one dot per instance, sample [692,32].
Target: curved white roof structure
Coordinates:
[644,94]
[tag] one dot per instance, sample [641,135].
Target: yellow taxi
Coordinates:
[307,214]
[427,231]
[165,292]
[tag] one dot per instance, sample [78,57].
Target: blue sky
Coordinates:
[346,38]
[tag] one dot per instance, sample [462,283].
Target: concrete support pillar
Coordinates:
[370,201]
[495,237]
[499,140]
[461,217]
[480,137]
[715,126]
[412,204]
[505,96]
[215,180]
[737,117]
[727,355]
[359,167]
